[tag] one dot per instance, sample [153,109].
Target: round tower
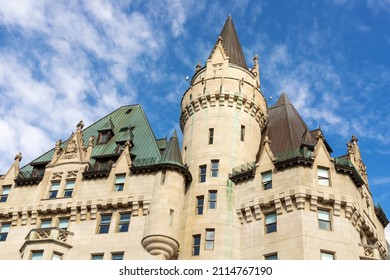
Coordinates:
[223,114]
[162,228]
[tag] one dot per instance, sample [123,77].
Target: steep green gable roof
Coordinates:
[127,123]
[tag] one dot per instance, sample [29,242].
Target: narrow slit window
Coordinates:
[202,173]
[214,168]
[199,205]
[267,180]
[242,134]
[211,136]
[212,199]
[196,245]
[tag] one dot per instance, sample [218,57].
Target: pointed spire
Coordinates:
[231,43]
[172,153]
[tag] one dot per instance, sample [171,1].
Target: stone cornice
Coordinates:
[239,102]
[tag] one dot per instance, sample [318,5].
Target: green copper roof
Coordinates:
[172,152]
[126,123]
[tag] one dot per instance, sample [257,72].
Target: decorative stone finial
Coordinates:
[80,125]
[198,67]
[91,141]
[18,156]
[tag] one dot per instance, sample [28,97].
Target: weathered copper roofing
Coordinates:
[172,153]
[231,43]
[287,130]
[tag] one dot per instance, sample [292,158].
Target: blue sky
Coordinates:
[66,61]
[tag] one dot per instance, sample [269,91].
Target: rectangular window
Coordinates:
[327,256]
[270,223]
[271,257]
[4,229]
[323,176]
[104,225]
[214,168]
[37,255]
[202,173]
[199,204]
[97,257]
[46,223]
[64,223]
[124,222]
[212,199]
[210,234]
[211,136]
[54,189]
[69,188]
[4,193]
[171,215]
[119,182]
[163,173]
[117,256]
[267,180]
[242,134]
[56,256]
[324,219]
[196,245]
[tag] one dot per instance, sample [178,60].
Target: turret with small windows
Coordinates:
[223,114]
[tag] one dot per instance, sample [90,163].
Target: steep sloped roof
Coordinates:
[231,43]
[287,130]
[172,153]
[127,123]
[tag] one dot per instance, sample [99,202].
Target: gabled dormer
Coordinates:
[106,133]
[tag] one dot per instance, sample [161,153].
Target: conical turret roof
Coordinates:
[231,44]
[287,130]
[172,153]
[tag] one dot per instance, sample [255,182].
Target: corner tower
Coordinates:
[223,114]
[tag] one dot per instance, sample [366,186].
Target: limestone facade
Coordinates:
[228,196]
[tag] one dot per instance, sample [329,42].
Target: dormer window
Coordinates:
[104,137]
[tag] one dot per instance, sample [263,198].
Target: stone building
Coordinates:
[251,182]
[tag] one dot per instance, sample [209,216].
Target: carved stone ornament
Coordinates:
[71,150]
[355,156]
[368,252]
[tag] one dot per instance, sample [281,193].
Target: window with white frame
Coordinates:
[117,256]
[104,225]
[199,204]
[4,192]
[56,256]
[324,220]
[45,223]
[212,199]
[124,222]
[119,182]
[202,173]
[327,256]
[4,229]
[37,255]
[196,244]
[68,192]
[323,176]
[97,256]
[266,179]
[63,223]
[53,192]
[270,223]
[214,167]
[209,240]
